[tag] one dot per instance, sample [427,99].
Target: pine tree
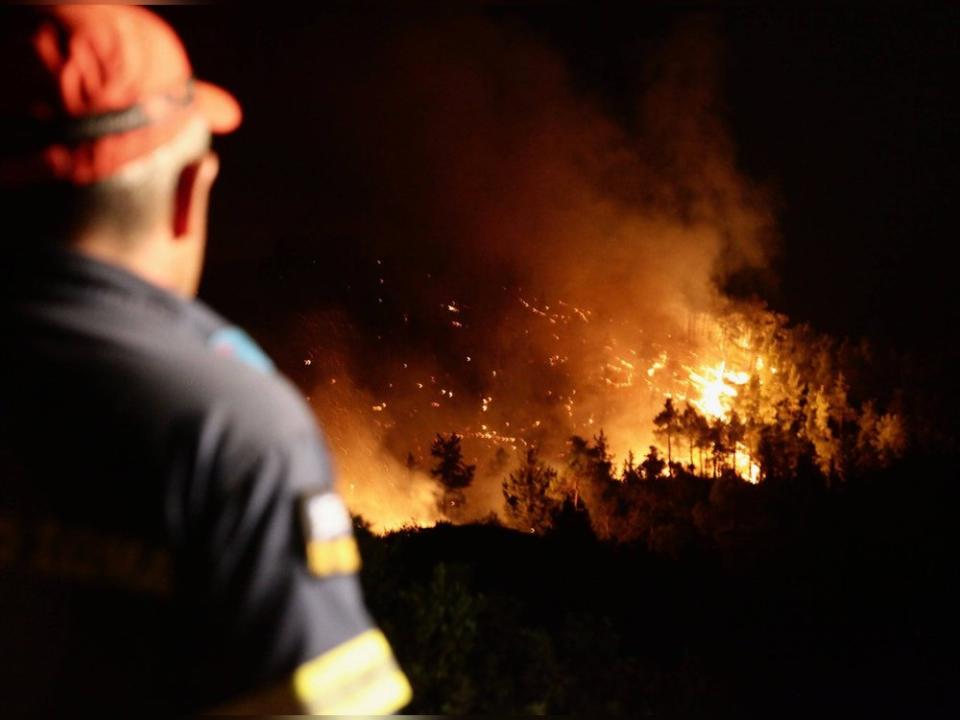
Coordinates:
[453,474]
[736,432]
[532,495]
[704,438]
[691,424]
[591,472]
[630,474]
[719,444]
[667,424]
[652,464]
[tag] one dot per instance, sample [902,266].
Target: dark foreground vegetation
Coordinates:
[784,598]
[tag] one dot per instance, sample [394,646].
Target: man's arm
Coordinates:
[282,627]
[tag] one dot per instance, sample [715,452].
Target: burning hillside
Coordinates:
[536,270]
[744,394]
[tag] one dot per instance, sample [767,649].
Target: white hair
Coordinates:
[186,145]
[127,205]
[141,192]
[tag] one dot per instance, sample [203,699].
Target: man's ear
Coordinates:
[192,194]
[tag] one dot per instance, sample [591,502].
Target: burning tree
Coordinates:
[453,474]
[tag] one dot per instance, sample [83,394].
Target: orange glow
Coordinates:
[585,374]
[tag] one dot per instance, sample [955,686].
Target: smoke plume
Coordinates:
[525,256]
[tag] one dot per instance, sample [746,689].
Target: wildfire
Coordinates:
[566,370]
[716,387]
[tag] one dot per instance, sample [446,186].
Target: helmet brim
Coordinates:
[218,107]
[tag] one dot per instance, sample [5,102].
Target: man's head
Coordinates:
[149,217]
[107,148]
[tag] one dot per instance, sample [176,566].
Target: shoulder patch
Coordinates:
[328,535]
[234,342]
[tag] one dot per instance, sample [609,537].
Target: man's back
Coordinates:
[151,553]
[169,535]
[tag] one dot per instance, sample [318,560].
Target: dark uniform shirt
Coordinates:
[169,534]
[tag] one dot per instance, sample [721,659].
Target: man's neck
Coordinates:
[146,258]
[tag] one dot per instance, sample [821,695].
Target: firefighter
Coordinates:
[170,538]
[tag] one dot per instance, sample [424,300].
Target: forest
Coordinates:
[791,555]
[671,585]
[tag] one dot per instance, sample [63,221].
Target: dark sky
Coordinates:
[848,116]
[852,116]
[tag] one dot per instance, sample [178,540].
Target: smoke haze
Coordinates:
[523,252]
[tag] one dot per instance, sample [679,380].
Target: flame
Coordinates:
[507,404]
[717,387]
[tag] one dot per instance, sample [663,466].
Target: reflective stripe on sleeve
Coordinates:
[359,677]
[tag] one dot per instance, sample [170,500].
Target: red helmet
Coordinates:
[91,88]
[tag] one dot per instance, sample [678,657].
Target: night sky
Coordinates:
[848,118]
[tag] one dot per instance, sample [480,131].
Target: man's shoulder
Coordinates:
[237,422]
[247,397]
[116,354]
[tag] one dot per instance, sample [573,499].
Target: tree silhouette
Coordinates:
[667,424]
[652,464]
[773,453]
[591,470]
[532,495]
[590,464]
[704,438]
[719,444]
[631,473]
[736,431]
[691,425]
[451,471]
